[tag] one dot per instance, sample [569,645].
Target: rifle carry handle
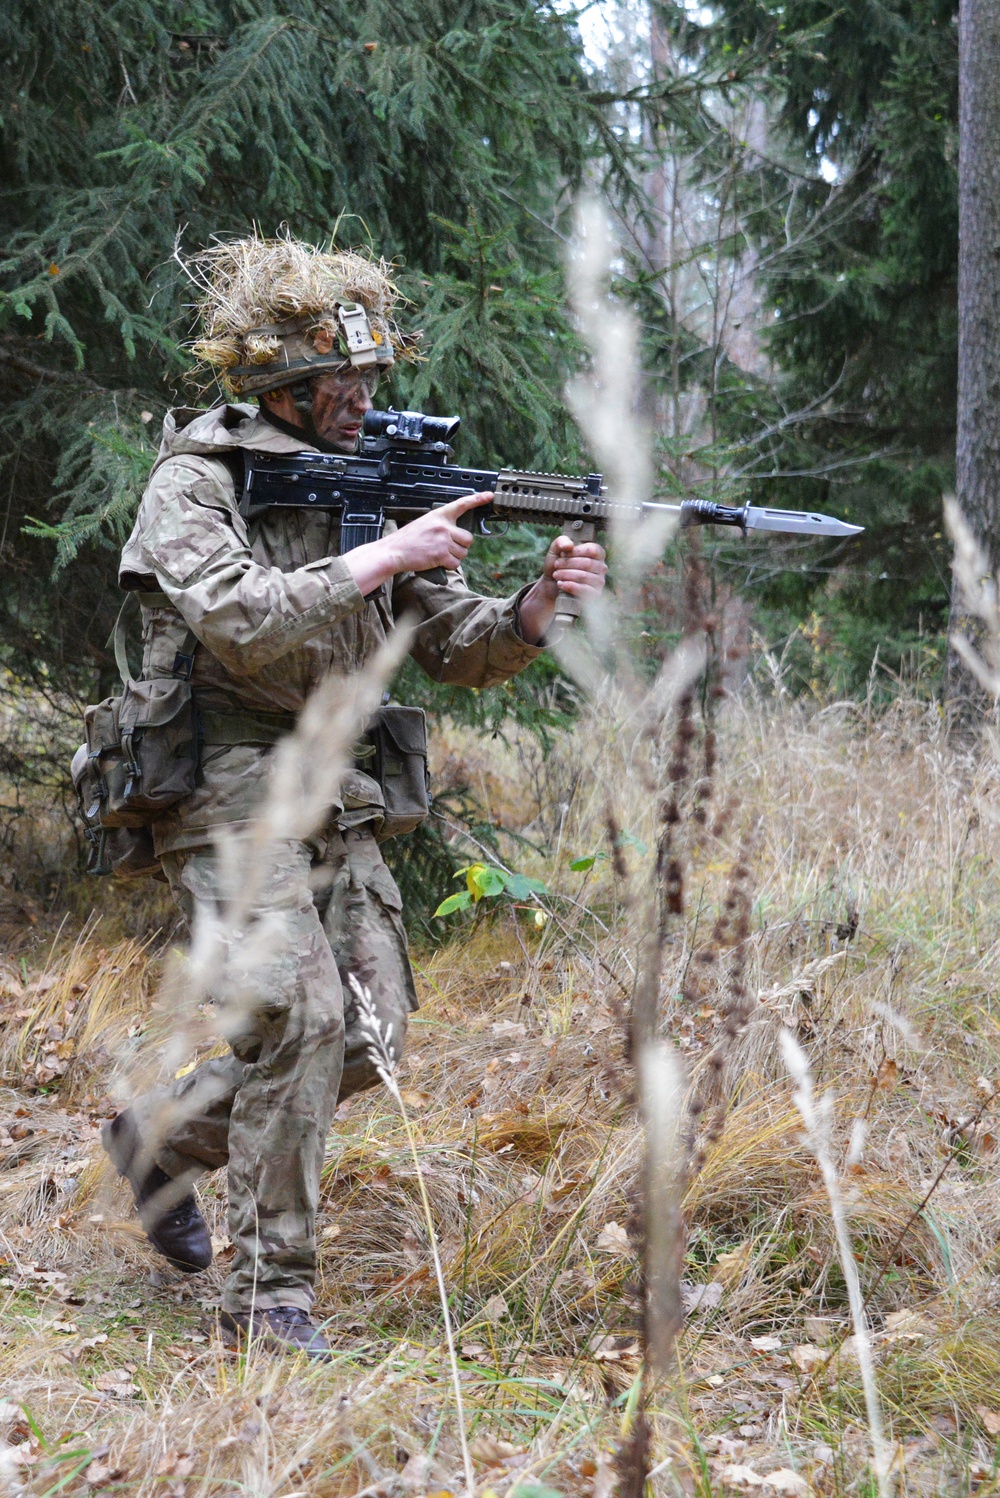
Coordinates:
[568,606]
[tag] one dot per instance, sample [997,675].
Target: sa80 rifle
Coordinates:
[403,469]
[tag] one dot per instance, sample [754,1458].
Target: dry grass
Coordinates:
[248,286]
[875,938]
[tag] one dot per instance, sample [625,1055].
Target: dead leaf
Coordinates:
[886,1077]
[807,1357]
[701,1297]
[822,1328]
[175,1464]
[605,1477]
[990,1419]
[418,1473]
[765,1344]
[117,1382]
[415,1100]
[613,1239]
[611,1349]
[907,1326]
[101,1470]
[509,1027]
[734,1475]
[729,1267]
[489,1452]
[784,1480]
[495,1309]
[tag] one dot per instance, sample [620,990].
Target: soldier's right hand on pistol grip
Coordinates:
[436,539]
[432,540]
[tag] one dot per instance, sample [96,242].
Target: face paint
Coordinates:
[339,405]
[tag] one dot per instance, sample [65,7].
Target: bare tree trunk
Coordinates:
[978,454]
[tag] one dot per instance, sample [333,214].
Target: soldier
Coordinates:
[260,613]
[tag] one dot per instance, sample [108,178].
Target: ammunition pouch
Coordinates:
[393,752]
[140,759]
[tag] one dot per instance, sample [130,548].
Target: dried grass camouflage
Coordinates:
[250,287]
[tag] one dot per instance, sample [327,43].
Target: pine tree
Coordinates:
[451,137]
[851,214]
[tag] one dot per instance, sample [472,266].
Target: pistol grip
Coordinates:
[568,606]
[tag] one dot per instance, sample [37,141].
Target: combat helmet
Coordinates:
[276,312]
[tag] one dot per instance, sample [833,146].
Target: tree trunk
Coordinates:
[978,451]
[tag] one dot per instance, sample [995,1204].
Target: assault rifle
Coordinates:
[402,470]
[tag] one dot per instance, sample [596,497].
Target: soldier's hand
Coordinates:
[432,540]
[577,569]
[436,539]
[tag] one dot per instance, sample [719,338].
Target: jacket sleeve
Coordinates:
[191,536]
[463,639]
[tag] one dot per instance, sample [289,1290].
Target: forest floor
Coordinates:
[875,938]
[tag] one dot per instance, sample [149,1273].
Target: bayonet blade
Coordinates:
[798,522]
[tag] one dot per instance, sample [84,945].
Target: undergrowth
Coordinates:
[873,935]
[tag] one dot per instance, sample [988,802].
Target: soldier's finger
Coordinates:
[460,540]
[584,565]
[573,575]
[456,507]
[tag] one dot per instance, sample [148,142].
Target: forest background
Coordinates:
[784,182]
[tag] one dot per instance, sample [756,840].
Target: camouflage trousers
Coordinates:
[297,1050]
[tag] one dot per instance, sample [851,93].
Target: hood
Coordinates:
[221,430]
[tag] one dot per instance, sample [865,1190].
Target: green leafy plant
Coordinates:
[488,881]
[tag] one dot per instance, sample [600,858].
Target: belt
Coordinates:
[222,729]
[227,729]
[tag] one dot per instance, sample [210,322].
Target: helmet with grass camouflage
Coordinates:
[275,312]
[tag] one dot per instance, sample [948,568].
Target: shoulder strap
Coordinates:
[183,658]
[116,642]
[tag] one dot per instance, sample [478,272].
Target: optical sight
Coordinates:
[410,428]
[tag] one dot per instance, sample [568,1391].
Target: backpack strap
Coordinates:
[183,657]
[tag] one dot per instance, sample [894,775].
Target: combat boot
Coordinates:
[281,1329]
[176,1229]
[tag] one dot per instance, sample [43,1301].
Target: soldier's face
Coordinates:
[339,405]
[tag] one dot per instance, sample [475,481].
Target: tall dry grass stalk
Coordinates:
[383,1058]
[656,721]
[817,1116]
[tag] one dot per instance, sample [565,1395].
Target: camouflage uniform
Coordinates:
[275,609]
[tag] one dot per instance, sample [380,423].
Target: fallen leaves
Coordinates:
[783,1480]
[701,1297]
[117,1382]
[613,1239]
[807,1357]
[990,1419]
[101,1470]
[488,1451]
[729,1267]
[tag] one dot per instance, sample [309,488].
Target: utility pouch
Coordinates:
[397,737]
[125,852]
[140,759]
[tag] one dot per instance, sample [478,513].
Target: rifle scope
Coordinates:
[411,428]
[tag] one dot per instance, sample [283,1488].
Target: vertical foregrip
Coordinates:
[569,607]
